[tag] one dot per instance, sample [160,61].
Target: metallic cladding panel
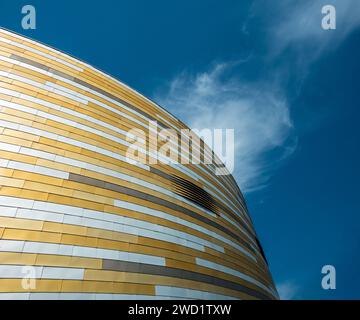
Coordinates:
[90,223]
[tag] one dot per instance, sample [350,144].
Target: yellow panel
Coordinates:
[17,258]
[28,235]
[20,223]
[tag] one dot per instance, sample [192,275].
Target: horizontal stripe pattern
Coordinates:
[90,224]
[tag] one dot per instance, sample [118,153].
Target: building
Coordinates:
[86,224]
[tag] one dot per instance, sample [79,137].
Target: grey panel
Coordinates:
[124,266]
[30,62]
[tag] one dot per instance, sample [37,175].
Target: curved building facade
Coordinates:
[78,221]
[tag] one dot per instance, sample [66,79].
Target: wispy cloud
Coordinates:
[259,110]
[287,290]
[299,23]
[295,26]
[258,113]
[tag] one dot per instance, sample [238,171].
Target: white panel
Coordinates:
[66,250]
[7,211]
[40,272]
[14,296]
[78,251]
[40,247]
[176,292]
[37,169]
[19,272]
[8,147]
[62,273]
[43,296]
[37,215]
[11,245]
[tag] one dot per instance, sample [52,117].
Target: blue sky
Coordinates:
[267,69]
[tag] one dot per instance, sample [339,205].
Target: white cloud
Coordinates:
[298,24]
[287,290]
[258,113]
